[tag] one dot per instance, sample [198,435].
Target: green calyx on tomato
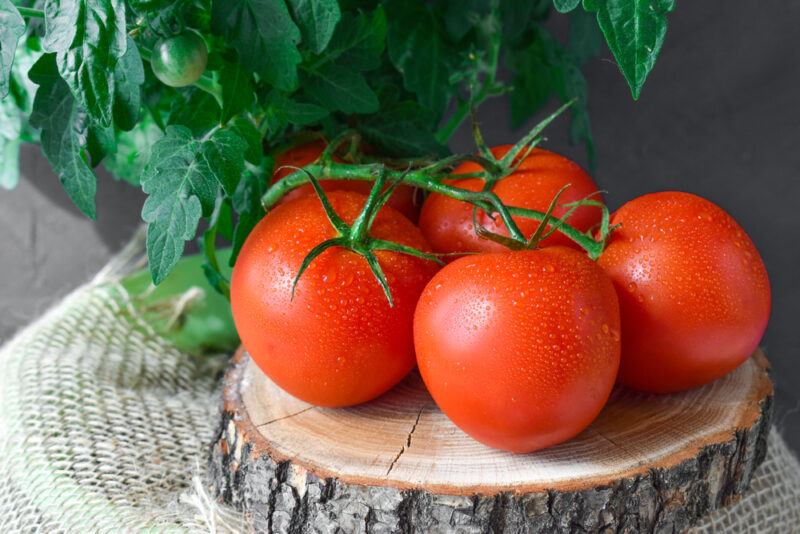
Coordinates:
[330,338]
[180,60]
[357,238]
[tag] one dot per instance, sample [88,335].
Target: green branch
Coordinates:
[30,13]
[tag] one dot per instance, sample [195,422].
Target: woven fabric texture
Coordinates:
[105,427]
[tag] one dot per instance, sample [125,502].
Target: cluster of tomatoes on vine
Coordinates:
[520,300]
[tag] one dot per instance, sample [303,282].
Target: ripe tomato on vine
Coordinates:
[694,292]
[519,349]
[333,339]
[448,223]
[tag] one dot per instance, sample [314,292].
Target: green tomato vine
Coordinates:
[80,77]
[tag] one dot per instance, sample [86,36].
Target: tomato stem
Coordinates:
[433,177]
[30,13]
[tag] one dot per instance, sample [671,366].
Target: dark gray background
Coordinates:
[719,116]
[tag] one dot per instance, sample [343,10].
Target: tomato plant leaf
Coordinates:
[359,41]
[543,68]
[63,126]
[12,27]
[181,188]
[281,110]
[317,20]
[199,112]
[339,88]
[401,130]
[244,128]
[100,141]
[263,33]
[223,155]
[420,52]
[89,37]
[585,39]
[634,31]
[535,67]
[571,85]
[128,79]
[247,203]
[565,6]
[237,90]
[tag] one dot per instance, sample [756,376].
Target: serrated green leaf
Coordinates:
[281,110]
[420,52]
[585,39]
[237,90]
[359,40]
[317,20]
[12,27]
[543,68]
[133,151]
[338,88]
[535,77]
[223,154]
[128,79]
[245,129]
[89,37]
[565,6]
[572,86]
[100,141]
[303,113]
[247,203]
[401,130]
[181,187]
[634,31]
[263,33]
[63,133]
[199,112]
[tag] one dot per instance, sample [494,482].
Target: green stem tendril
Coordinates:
[356,237]
[432,177]
[30,13]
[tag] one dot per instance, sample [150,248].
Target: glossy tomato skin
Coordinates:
[180,60]
[519,349]
[447,223]
[694,292]
[338,343]
[302,155]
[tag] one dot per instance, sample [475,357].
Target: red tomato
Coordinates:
[694,293]
[300,156]
[447,223]
[338,342]
[519,349]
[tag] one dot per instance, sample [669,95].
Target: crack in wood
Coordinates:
[640,459]
[407,446]
[304,410]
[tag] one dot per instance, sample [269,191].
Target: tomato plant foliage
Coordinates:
[76,77]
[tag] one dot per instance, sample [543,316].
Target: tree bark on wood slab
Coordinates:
[648,464]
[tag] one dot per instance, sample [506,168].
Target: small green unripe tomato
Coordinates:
[180,60]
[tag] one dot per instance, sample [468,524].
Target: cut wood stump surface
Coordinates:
[649,463]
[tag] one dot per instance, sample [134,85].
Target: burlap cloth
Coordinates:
[105,427]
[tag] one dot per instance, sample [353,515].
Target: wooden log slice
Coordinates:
[397,464]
